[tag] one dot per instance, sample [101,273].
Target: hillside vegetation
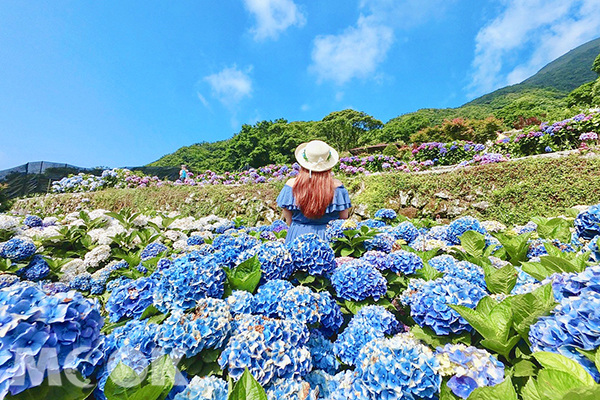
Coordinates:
[510,192]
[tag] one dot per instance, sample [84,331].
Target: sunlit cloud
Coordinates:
[230,86]
[273,17]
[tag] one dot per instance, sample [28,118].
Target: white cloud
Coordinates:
[406,14]
[274,17]
[550,27]
[355,53]
[203,100]
[230,86]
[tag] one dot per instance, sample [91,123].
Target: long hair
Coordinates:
[313,192]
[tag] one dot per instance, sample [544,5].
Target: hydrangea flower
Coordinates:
[269,348]
[357,281]
[81,282]
[269,295]
[372,223]
[207,326]
[386,214]
[130,299]
[191,278]
[377,259]
[240,302]
[312,254]
[405,231]
[41,331]
[36,270]
[275,260]
[33,221]
[429,303]
[204,388]
[469,368]
[397,368]
[369,323]
[152,250]
[17,249]
[459,226]
[290,389]
[404,262]
[449,266]
[229,247]
[587,223]
[380,242]
[195,240]
[321,351]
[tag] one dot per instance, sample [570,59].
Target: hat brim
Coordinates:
[316,167]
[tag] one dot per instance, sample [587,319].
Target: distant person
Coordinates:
[313,198]
[183,173]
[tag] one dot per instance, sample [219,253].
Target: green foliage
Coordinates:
[352,243]
[390,150]
[246,388]
[245,276]
[582,96]
[154,383]
[596,65]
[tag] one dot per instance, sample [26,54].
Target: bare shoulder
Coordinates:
[291,182]
[337,182]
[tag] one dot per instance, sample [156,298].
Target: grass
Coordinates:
[515,192]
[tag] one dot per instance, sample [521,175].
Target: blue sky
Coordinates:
[121,83]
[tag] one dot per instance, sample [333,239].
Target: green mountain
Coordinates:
[564,74]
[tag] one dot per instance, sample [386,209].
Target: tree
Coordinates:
[344,129]
[596,65]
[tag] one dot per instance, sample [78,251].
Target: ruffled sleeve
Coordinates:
[286,199]
[341,200]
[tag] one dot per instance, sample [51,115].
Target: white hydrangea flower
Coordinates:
[9,222]
[97,255]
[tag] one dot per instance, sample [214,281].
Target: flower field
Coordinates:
[577,132]
[107,305]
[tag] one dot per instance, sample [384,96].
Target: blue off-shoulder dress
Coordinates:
[301,224]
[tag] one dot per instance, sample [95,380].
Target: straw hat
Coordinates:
[316,156]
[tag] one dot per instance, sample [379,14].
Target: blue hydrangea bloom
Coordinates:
[429,304]
[372,223]
[449,266]
[152,250]
[204,388]
[240,302]
[377,259]
[207,326]
[385,213]
[587,223]
[357,281]
[404,262]
[321,351]
[469,368]
[81,282]
[397,368]
[369,323]
[269,348]
[191,278]
[334,229]
[347,385]
[36,270]
[195,240]
[42,331]
[275,261]
[525,282]
[33,221]
[269,295]
[290,389]
[130,299]
[405,231]
[536,248]
[7,280]
[17,249]
[312,254]
[572,285]
[380,242]
[229,247]
[459,226]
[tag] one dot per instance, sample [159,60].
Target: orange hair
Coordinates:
[313,192]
